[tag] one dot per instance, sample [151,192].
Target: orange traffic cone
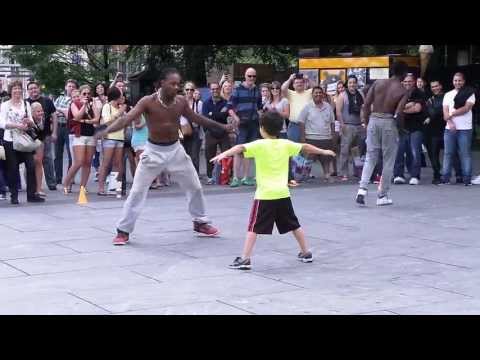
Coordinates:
[82,197]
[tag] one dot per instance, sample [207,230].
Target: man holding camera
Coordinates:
[298,98]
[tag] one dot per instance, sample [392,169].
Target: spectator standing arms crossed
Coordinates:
[457,112]
[348,107]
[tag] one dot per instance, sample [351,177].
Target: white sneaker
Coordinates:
[414,181]
[360,199]
[476,181]
[384,201]
[399,180]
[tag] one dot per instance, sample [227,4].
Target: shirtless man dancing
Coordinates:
[164,152]
[388,98]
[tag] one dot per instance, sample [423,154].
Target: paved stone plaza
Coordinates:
[420,256]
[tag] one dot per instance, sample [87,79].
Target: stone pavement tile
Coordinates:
[32,250]
[63,263]
[468,257]
[462,281]
[54,303]
[215,266]
[319,302]
[457,307]
[178,292]
[8,271]
[199,308]
[54,235]
[382,312]
[89,279]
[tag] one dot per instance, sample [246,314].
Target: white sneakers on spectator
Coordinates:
[414,181]
[399,180]
[476,181]
[384,201]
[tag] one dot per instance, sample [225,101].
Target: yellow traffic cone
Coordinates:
[82,197]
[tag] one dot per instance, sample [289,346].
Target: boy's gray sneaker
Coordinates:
[305,257]
[241,264]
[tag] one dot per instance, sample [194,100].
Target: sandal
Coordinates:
[67,190]
[292,183]
[102,193]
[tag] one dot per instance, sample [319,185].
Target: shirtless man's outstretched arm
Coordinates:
[204,121]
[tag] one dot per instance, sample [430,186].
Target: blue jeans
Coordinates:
[457,141]
[293,132]
[409,143]
[62,143]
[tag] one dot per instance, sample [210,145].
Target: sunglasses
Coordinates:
[275,88]
[215,89]
[252,76]
[86,93]
[189,89]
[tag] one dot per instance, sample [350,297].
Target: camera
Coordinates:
[298,76]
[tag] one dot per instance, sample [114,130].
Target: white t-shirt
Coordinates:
[318,121]
[280,107]
[11,114]
[462,122]
[297,102]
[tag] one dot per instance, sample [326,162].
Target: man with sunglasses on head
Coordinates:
[245,107]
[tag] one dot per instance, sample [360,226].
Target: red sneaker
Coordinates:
[205,229]
[120,239]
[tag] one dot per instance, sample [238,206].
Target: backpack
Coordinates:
[226,170]
[302,168]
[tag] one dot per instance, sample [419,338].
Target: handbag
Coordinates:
[23,141]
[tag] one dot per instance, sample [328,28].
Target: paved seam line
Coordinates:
[146,276]
[89,302]
[438,262]
[235,307]
[6,263]
[67,247]
[280,281]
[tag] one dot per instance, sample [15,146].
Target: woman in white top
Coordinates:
[99,99]
[16,115]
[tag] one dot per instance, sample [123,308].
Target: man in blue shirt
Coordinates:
[245,106]
[215,108]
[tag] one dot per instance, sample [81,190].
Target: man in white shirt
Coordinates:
[457,112]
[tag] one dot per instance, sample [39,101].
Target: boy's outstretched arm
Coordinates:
[237,149]
[310,149]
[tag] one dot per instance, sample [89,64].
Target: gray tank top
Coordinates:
[351,119]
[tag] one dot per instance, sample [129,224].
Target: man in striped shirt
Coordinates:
[62,104]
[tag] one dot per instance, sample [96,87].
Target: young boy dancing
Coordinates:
[272,202]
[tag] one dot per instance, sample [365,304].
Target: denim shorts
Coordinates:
[248,133]
[112,144]
[84,141]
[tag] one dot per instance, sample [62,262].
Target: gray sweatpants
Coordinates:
[382,135]
[352,135]
[153,161]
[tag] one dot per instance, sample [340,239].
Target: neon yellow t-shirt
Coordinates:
[271,162]
[108,111]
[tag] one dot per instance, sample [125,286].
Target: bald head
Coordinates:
[250,77]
